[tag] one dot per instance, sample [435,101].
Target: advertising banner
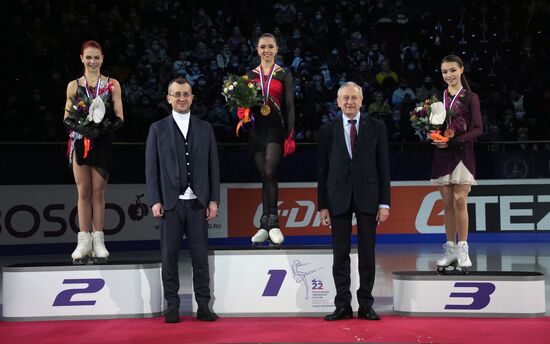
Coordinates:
[44,214]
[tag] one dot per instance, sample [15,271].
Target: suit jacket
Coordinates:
[366,176]
[162,165]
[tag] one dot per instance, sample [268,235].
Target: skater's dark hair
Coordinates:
[458,61]
[267,35]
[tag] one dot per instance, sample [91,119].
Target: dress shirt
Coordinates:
[182,121]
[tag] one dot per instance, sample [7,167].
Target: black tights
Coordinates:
[266,163]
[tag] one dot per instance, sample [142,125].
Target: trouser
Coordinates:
[341,246]
[189,218]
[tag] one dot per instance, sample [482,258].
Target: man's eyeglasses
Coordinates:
[180,95]
[348,98]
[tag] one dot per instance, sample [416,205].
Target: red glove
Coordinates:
[244,114]
[289,145]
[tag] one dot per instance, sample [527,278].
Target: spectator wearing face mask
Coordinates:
[287,11]
[202,53]
[223,58]
[364,77]
[201,20]
[236,39]
[235,66]
[403,94]
[411,65]
[376,59]
[297,60]
[155,54]
[427,89]
[213,74]
[179,67]
[132,92]
[334,59]
[386,77]
[335,25]
[396,126]
[379,108]
[325,73]
[194,73]
[318,26]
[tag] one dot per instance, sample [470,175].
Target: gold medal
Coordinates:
[265,110]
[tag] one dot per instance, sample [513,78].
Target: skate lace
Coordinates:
[81,241]
[461,253]
[447,251]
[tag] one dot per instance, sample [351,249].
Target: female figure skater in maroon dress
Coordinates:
[454,167]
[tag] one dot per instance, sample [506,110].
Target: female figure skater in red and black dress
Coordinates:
[274,121]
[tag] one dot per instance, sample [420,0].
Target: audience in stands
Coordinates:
[381,45]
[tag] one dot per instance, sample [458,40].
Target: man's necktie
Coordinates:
[352,133]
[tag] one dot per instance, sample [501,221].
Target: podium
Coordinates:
[266,282]
[477,294]
[61,291]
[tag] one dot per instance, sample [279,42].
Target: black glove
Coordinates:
[71,124]
[117,123]
[93,132]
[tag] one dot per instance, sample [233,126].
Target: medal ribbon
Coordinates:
[452,101]
[96,87]
[265,90]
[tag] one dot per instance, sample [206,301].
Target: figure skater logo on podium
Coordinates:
[301,276]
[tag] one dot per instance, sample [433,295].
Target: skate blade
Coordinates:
[275,246]
[81,261]
[262,245]
[96,260]
[452,270]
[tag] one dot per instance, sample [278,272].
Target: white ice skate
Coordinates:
[83,249]
[260,237]
[448,258]
[276,237]
[462,255]
[100,252]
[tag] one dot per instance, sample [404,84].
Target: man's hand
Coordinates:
[158,210]
[325,217]
[382,215]
[211,211]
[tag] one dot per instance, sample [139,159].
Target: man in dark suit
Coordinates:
[353,178]
[183,184]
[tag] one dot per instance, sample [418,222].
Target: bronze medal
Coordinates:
[265,110]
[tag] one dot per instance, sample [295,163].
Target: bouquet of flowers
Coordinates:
[241,94]
[428,117]
[86,118]
[87,112]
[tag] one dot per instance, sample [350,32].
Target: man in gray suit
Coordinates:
[183,184]
[354,178]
